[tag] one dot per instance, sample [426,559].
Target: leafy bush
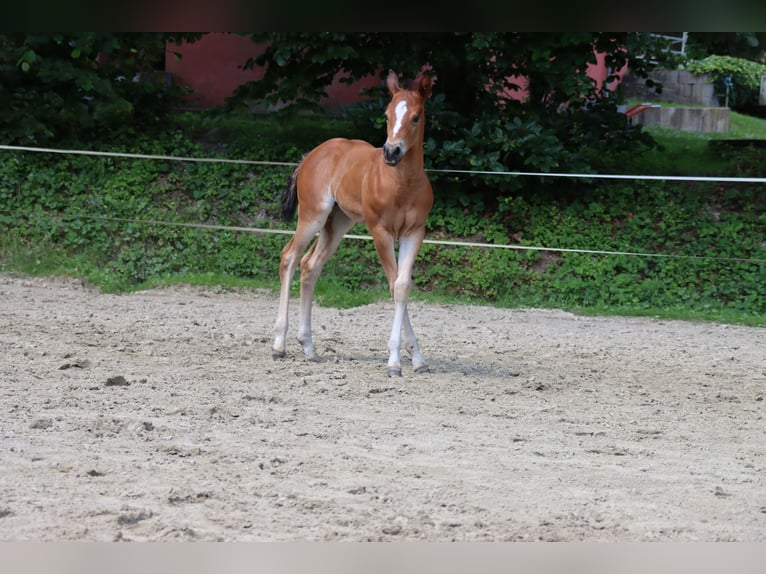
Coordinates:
[745,75]
[70,85]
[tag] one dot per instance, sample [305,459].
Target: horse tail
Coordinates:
[289,203]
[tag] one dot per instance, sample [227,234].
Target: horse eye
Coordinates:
[415,119]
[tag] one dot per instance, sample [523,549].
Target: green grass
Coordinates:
[262,137]
[741,126]
[745,127]
[688,153]
[220,282]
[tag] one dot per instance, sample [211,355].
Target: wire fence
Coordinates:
[472,244]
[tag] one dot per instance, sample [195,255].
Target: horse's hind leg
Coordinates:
[287,265]
[338,223]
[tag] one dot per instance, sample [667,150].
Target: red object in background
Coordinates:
[211,67]
[637,109]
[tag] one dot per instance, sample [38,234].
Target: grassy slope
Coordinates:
[236,261]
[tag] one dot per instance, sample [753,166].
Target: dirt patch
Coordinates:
[161,415]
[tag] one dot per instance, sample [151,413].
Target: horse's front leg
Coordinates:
[400,279]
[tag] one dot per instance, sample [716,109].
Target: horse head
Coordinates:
[405,117]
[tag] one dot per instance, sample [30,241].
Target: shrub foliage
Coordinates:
[745,76]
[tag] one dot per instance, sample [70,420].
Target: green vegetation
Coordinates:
[689,153]
[83,84]
[51,208]
[745,76]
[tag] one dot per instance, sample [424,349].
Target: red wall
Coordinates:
[209,67]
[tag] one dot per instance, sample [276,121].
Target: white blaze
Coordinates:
[400,110]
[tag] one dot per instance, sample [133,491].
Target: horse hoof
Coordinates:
[423,369]
[278,355]
[394,372]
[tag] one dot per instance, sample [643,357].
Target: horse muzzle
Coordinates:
[393,153]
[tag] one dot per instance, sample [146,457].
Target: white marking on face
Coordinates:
[400,110]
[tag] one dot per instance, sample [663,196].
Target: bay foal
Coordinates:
[342,182]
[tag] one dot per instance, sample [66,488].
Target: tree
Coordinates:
[69,84]
[299,65]
[745,45]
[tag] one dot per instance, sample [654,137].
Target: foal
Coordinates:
[342,182]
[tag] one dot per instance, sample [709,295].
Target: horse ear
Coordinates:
[392,82]
[425,86]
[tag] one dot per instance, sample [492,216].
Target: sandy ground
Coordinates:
[161,415]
